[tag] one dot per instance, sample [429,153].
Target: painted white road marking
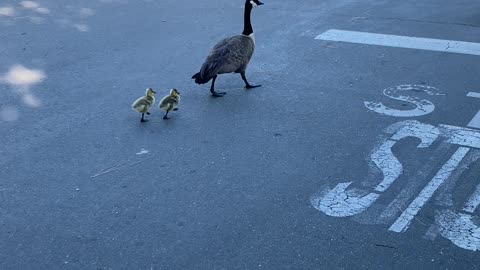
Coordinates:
[344,202]
[473,94]
[404,93]
[386,161]
[440,45]
[340,202]
[461,136]
[402,223]
[475,122]
[459,228]
[473,202]
[462,227]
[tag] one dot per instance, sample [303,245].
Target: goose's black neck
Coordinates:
[247,24]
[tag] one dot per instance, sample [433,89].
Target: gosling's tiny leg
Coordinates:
[165,117]
[143,120]
[212,89]
[247,85]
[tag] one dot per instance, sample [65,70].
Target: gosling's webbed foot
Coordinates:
[218,94]
[166,118]
[249,86]
[176,109]
[147,113]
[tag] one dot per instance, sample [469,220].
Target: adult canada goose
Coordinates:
[230,55]
[143,104]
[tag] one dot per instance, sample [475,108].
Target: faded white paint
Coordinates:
[340,202]
[425,132]
[473,94]
[388,164]
[142,151]
[459,228]
[461,136]
[407,42]
[402,223]
[475,122]
[405,93]
[444,197]
[473,202]
[463,228]
[411,186]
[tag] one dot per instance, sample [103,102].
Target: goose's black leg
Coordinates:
[143,120]
[212,89]
[165,117]
[247,85]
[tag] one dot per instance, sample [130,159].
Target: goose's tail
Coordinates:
[198,78]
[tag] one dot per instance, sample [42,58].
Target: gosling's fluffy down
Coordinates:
[170,102]
[143,104]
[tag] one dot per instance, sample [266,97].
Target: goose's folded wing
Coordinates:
[227,56]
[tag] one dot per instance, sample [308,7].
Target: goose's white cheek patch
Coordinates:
[253,3]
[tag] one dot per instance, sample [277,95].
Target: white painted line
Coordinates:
[473,94]
[440,45]
[473,202]
[475,122]
[402,223]
[461,136]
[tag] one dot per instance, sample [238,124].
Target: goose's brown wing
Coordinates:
[228,55]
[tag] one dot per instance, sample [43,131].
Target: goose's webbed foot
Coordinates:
[212,89]
[249,86]
[218,94]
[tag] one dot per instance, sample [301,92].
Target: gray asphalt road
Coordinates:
[237,182]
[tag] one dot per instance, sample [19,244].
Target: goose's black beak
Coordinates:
[259,3]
